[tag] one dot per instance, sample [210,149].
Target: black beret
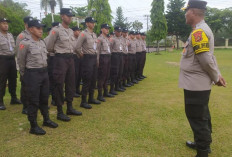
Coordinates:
[76,28]
[118,29]
[27,19]
[132,32]
[66,11]
[105,26]
[35,23]
[55,24]
[124,30]
[196,4]
[90,19]
[5,20]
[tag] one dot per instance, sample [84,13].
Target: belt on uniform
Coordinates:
[65,55]
[90,55]
[7,57]
[131,54]
[138,52]
[125,54]
[37,69]
[105,54]
[116,53]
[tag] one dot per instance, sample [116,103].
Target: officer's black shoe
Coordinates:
[85,105]
[101,98]
[143,76]
[76,95]
[135,81]
[94,101]
[119,90]
[202,153]
[193,145]
[24,111]
[2,106]
[108,95]
[15,101]
[113,93]
[123,88]
[126,85]
[50,124]
[37,131]
[63,117]
[73,112]
[53,103]
[131,84]
[138,79]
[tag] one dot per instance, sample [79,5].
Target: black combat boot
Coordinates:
[117,88]
[15,100]
[60,115]
[2,105]
[107,94]
[100,96]
[84,103]
[72,111]
[112,91]
[202,153]
[47,122]
[92,100]
[35,129]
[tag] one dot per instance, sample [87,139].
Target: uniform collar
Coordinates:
[200,23]
[89,31]
[26,31]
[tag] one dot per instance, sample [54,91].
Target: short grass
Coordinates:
[148,120]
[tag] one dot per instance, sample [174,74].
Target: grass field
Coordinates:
[148,120]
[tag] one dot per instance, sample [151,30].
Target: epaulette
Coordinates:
[26,39]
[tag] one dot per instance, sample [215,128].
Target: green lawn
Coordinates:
[147,120]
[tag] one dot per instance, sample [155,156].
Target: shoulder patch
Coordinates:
[200,41]
[82,34]
[21,46]
[53,32]
[21,36]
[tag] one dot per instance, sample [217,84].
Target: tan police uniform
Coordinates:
[87,45]
[8,70]
[198,70]
[104,55]
[132,48]
[139,56]
[125,61]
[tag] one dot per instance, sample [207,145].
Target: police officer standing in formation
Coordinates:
[125,58]
[104,58]
[144,53]
[23,35]
[50,65]
[77,61]
[132,59]
[116,60]
[139,50]
[198,70]
[87,47]
[59,42]
[8,70]
[32,60]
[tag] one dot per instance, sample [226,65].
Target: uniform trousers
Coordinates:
[197,112]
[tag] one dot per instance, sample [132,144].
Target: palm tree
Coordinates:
[44,4]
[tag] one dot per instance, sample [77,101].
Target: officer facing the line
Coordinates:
[198,70]
[32,59]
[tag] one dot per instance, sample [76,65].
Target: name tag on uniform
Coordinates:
[120,47]
[95,46]
[108,49]
[145,47]
[11,48]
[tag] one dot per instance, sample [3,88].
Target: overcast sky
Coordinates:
[133,9]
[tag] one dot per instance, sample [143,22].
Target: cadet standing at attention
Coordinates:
[59,42]
[87,47]
[23,35]
[77,61]
[125,58]
[139,50]
[116,60]
[132,59]
[7,64]
[32,57]
[144,53]
[104,57]
[198,71]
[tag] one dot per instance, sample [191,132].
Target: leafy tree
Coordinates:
[80,12]
[137,26]
[158,20]
[102,13]
[176,20]
[120,20]
[44,4]
[14,12]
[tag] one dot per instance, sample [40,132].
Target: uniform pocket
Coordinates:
[4,45]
